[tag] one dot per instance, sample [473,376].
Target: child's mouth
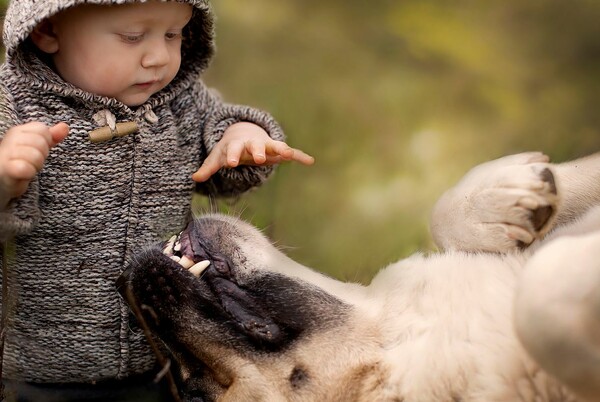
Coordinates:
[146,84]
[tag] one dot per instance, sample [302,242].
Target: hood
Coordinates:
[23,15]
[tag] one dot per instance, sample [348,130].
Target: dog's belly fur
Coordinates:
[436,328]
[447,330]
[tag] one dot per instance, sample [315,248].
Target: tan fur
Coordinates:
[502,325]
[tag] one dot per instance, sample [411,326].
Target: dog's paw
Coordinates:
[498,206]
[557,308]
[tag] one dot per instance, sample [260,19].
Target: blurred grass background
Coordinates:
[396,100]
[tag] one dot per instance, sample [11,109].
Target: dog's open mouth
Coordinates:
[179,249]
[216,274]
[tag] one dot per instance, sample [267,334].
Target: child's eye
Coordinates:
[173,35]
[131,38]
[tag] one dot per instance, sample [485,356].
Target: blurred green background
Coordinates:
[396,100]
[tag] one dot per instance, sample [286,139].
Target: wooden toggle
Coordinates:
[105,133]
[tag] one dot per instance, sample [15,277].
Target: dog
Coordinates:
[508,310]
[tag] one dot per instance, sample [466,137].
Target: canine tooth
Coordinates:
[177,247]
[186,262]
[169,247]
[175,258]
[198,268]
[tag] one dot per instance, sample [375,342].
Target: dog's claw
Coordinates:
[548,177]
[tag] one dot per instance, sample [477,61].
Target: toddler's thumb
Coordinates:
[59,132]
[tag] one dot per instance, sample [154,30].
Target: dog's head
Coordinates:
[243,321]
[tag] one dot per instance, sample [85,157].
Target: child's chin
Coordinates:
[134,102]
[135,99]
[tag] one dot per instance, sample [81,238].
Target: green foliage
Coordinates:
[396,100]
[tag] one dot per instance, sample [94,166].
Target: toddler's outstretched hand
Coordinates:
[23,151]
[248,144]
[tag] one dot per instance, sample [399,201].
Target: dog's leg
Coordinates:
[579,186]
[557,310]
[498,206]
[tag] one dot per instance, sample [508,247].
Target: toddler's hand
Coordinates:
[247,144]
[23,151]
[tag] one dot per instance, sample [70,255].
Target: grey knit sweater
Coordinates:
[95,204]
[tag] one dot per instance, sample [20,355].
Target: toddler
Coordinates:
[106,132]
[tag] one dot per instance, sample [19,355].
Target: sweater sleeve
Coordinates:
[22,213]
[218,117]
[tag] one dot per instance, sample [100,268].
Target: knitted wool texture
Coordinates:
[95,204]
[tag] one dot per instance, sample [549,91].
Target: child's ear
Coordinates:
[44,38]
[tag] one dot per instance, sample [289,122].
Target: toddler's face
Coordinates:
[127,52]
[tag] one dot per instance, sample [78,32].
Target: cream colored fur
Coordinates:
[508,324]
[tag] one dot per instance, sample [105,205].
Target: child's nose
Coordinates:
[157,54]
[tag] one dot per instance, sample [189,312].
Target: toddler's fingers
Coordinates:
[32,131]
[302,157]
[38,135]
[20,187]
[235,150]
[210,166]
[257,150]
[20,170]
[38,139]
[203,173]
[280,148]
[29,155]
[290,154]
[58,132]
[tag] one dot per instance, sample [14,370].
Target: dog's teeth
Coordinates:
[169,247]
[177,247]
[186,262]
[175,258]
[198,268]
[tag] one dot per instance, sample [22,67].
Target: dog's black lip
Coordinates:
[231,297]
[186,244]
[194,250]
[241,306]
